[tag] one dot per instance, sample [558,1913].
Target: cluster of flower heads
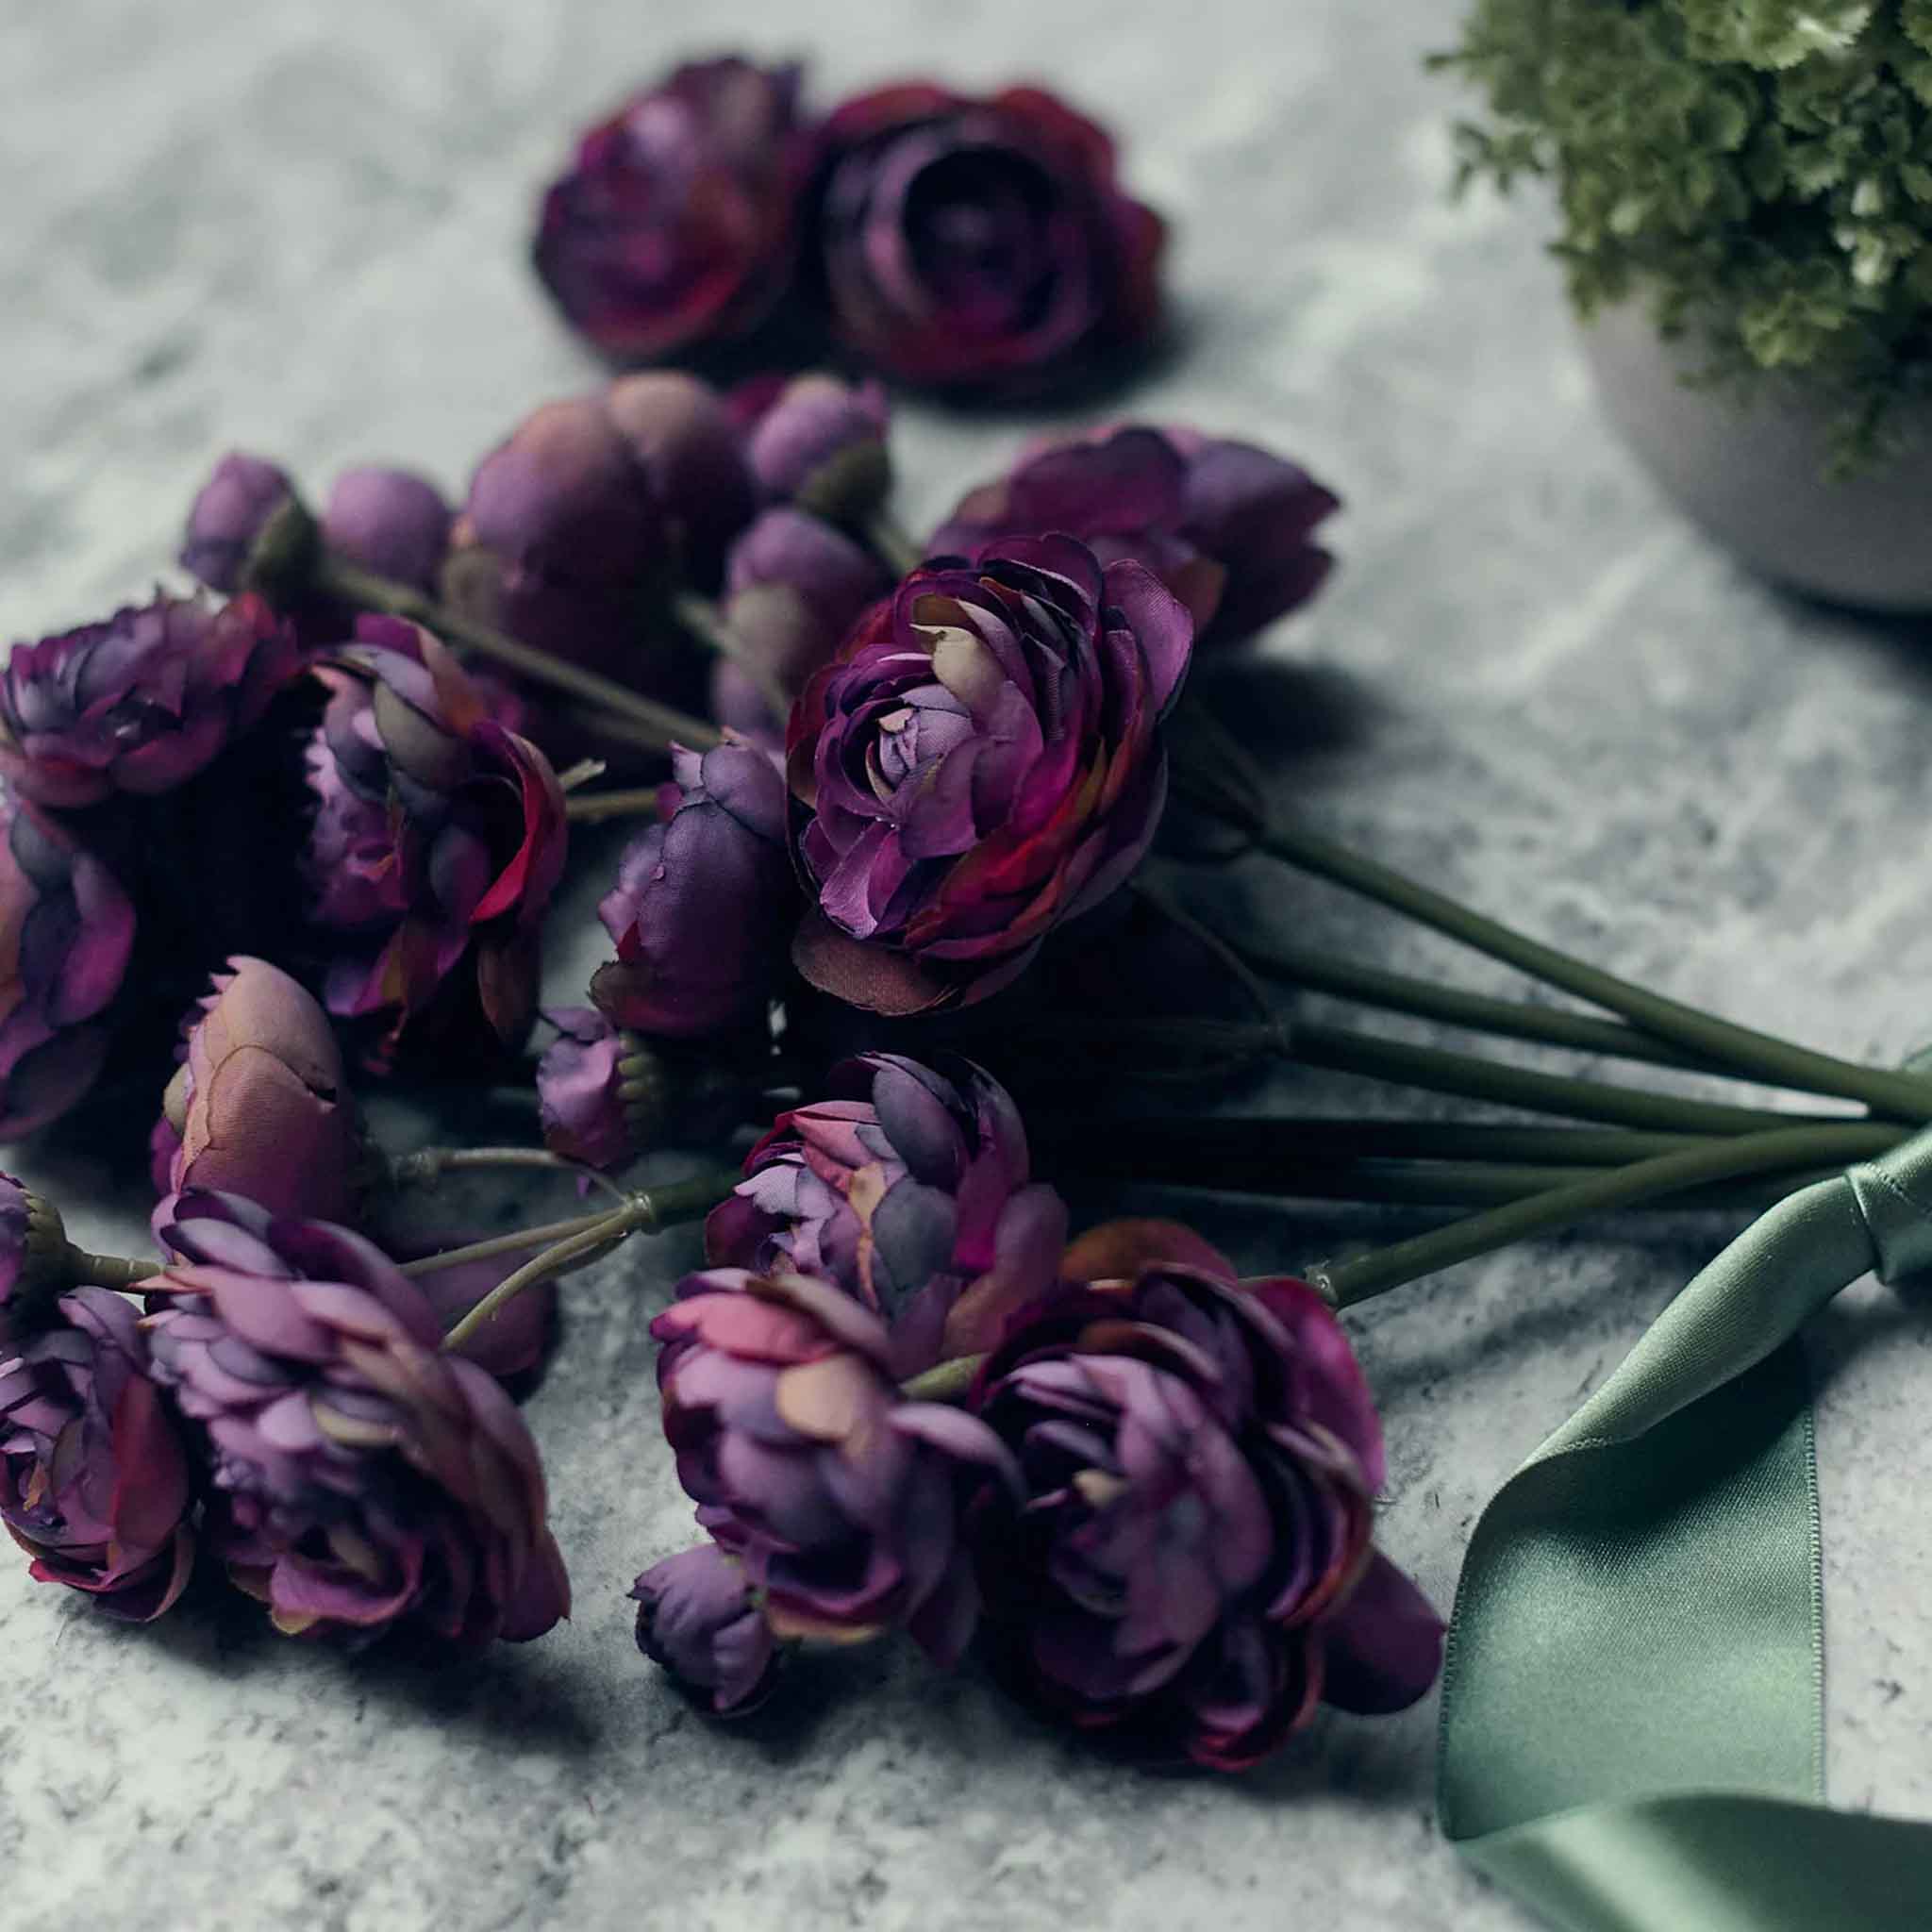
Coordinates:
[969,243]
[1154,1501]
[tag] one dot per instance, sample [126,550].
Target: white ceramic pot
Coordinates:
[1753,472]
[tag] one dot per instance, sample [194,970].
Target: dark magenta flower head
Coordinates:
[980,243]
[230,516]
[702,901]
[674,225]
[1228,526]
[392,522]
[982,762]
[913,1195]
[795,586]
[362,1479]
[697,1619]
[260,1104]
[577,524]
[595,1092]
[93,1477]
[66,934]
[141,703]
[438,838]
[841,1501]
[816,441]
[1192,1567]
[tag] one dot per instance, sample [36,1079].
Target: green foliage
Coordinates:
[1760,170]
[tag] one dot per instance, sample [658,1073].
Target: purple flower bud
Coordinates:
[438,841]
[1192,1566]
[230,516]
[260,1104]
[701,902]
[94,1479]
[141,703]
[392,522]
[818,443]
[593,1110]
[912,1195]
[674,227]
[66,932]
[980,243]
[796,586]
[841,1501]
[362,1478]
[980,762]
[697,1620]
[577,523]
[1228,527]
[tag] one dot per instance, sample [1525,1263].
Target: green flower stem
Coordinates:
[947,1382]
[335,577]
[519,1240]
[1897,1096]
[639,802]
[897,550]
[706,622]
[1396,992]
[120,1271]
[1787,1150]
[1437,1071]
[428,1165]
[659,1208]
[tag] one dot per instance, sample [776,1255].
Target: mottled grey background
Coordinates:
[300,227]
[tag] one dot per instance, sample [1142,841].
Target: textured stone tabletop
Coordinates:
[300,227]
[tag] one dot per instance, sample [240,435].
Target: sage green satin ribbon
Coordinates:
[1632,1700]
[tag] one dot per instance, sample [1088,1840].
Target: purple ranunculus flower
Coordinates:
[66,933]
[1192,1567]
[674,225]
[362,1480]
[795,586]
[228,517]
[981,761]
[141,703]
[392,522]
[702,901]
[980,243]
[438,841]
[911,1193]
[816,441]
[841,1500]
[578,525]
[94,1479]
[1228,526]
[697,1618]
[260,1104]
[586,1111]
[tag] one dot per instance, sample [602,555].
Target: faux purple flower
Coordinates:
[914,1196]
[982,762]
[841,1501]
[816,441]
[1192,1566]
[260,1104]
[228,517]
[587,1114]
[66,932]
[362,1480]
[674,225]
[1228,526]
[578,522]
[702,901]
[980,243]
[795,586]
[141,703]
[94,1479]
[697,1619]
[392,522]
[438,838]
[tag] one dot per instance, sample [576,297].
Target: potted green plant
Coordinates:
[1745,194]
